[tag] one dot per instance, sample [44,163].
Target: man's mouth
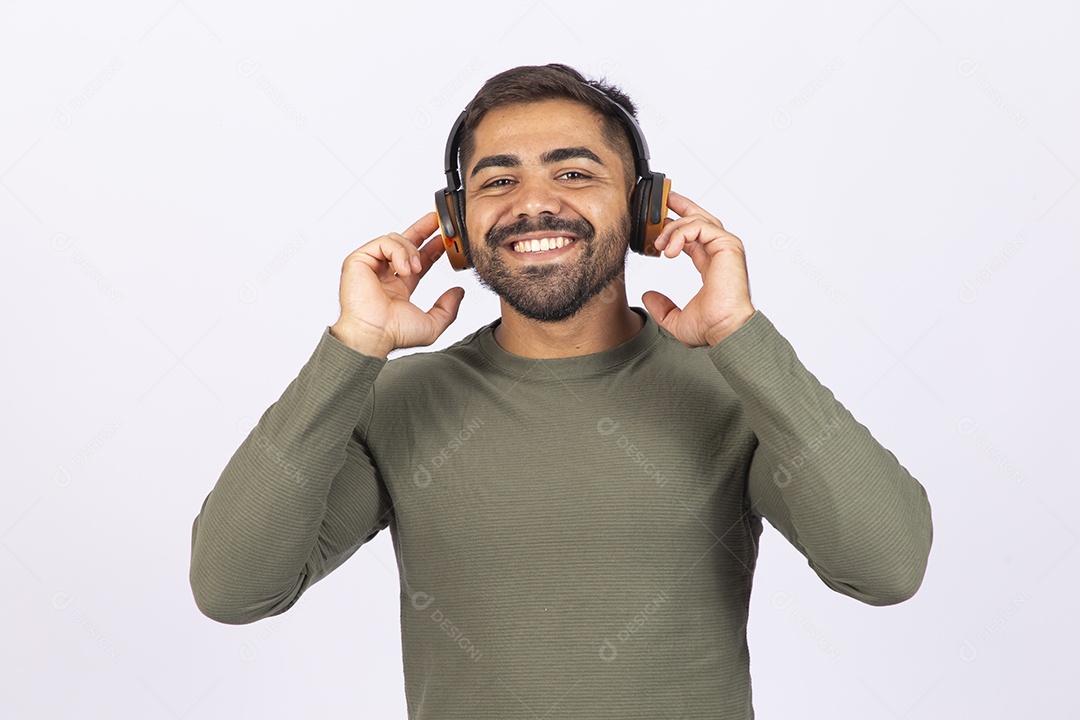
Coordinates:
[543,238]
[541,244]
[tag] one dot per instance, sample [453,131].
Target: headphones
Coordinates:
[648,203]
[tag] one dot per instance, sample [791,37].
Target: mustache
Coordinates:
[580,227]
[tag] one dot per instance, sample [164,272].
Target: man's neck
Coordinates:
[602,323]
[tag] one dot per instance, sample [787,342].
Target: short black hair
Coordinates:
[533,83]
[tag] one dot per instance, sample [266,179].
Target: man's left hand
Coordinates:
[723,303]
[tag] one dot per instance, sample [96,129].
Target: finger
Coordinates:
[673,224]
[422,229]
[430,253]
[382,255]
[426,257]
[399,257]
[685,206]
[682,232]
[685,233]
[445,310]
[661,307]
[412,260]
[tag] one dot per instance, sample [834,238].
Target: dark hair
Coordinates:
[532,83]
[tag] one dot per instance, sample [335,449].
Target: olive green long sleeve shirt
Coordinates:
[575,537]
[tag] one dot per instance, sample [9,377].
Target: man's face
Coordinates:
[542,172]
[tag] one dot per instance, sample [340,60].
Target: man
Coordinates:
[575,490]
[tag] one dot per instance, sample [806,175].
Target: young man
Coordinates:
[575,490]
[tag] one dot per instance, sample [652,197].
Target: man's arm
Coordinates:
[301,493]
[820,477]
[298,497]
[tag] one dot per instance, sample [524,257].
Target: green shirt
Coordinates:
[575,537]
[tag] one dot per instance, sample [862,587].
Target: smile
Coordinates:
[541,244]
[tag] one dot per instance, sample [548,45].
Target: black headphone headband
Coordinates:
[637,139]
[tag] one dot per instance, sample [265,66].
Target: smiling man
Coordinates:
[575,490]
[537,209]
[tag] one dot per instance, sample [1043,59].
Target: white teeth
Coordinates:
[526,246]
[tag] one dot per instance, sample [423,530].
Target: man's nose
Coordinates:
[535,198]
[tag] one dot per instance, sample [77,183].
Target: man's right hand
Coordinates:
[377,280]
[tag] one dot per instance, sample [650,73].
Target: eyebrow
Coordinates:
[551,156]
[560,154]
[495,161]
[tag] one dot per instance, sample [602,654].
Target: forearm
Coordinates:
[256,534]
[821,478]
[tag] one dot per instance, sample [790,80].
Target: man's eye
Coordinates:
[577,175]
[497,182]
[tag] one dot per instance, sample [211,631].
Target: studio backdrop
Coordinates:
[181,181]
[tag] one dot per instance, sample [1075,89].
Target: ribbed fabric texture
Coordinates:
[576,537]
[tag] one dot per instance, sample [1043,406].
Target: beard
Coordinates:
[553,291]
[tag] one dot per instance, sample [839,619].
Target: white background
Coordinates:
[179,184]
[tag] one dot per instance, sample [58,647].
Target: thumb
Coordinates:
[661,307]
[445,309]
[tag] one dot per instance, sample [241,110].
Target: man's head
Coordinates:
[542,156]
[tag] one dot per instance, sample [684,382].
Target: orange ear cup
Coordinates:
[454,250]
[652,230]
